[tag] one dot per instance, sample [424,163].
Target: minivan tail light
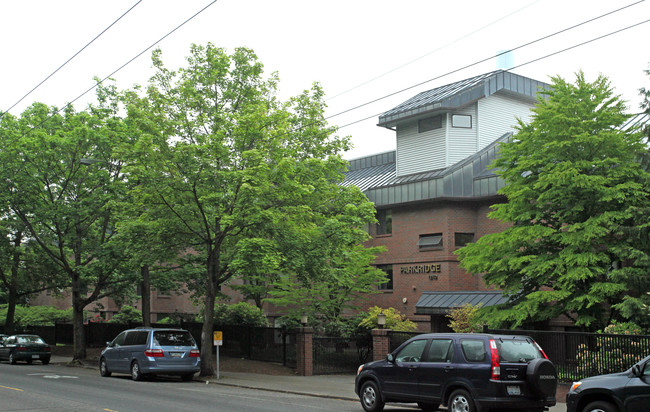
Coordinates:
[540,349]
[155,353]
[496,364]
[195,353]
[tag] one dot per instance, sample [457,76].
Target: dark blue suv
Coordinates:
[465,372]
[151,351]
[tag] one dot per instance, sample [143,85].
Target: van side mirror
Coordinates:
[390,358]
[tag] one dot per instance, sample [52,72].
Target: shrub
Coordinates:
[394,320]
[36,315]
[241,313]
[127,314]
[610,354]
[465,319]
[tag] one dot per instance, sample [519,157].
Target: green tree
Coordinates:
[241,313]
[220,159]
[63,181]
[576,202]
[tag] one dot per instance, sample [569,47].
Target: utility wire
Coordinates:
[497,55]
[511,68]
[432,52]
[124,65]
[68,61]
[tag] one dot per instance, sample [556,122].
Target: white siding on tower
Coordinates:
[419,152]
[461,142]
[497,115]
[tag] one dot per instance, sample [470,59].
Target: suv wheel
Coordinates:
[103,368]
[136,374]
[600,406]
[370,397]
[461,401]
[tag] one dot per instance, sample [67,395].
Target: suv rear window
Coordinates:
[172,338]
[473,349]
[517,350]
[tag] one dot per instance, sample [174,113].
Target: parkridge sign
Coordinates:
[430,268]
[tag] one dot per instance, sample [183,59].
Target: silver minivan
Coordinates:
[142,352]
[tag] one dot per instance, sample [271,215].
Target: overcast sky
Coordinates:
[359,50]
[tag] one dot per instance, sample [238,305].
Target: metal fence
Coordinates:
[577,355]
[340,355]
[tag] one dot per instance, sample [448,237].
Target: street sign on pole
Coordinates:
[217,338]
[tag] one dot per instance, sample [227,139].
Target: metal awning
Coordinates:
[439,303]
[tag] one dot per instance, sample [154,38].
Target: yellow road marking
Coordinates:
[109,410]
[13,389]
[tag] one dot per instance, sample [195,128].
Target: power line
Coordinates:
[68,61]
[491,57]
[511,68]
[432,52]
[125,64]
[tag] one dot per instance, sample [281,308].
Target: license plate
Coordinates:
[34,356]
[176,354]
[513,390]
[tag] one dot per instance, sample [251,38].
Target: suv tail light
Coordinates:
[496,363]
[540,349]
[195,353]
[156,353]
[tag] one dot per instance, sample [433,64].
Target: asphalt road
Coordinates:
[56,388]
[60,388]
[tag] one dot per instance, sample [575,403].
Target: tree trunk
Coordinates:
[79,336]
[11,313]
[207,330]
[146,296]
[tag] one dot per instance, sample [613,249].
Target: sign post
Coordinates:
[218,341]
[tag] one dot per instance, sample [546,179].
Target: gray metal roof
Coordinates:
[461,93]
[469,178]
[431,303]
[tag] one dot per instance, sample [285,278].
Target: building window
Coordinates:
[430,123]
[462,239]
[384,222]
[388,270]
[430,242]
[461,120]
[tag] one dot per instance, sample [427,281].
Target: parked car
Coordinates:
[462,372]
[2,337]
[627,391]
[151,351]
[26,348]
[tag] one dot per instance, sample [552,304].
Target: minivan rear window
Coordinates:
[173,338]
[518,350]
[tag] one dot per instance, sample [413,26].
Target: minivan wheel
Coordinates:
[600,406]
[461,401]
[370,397]
[103,368]
[136,374]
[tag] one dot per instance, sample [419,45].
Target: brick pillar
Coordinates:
[380,343]
[305,352]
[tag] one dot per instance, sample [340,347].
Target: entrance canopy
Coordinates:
[439,303]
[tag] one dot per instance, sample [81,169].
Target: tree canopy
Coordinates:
[577,199]
[229,173]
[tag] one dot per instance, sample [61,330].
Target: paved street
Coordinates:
[57,387]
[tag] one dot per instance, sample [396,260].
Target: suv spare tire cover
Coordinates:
[542,377]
